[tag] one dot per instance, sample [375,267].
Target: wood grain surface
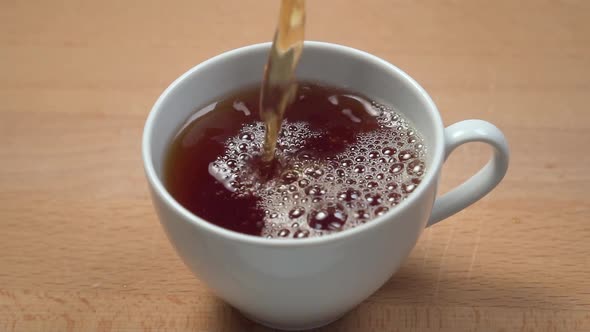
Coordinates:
[81,248]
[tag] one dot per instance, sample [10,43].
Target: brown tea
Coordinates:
[340,161]
[278,84]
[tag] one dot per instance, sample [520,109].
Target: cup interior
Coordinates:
[323,62]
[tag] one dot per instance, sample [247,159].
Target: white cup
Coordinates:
[306,283]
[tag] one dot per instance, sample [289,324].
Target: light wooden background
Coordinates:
[81,248]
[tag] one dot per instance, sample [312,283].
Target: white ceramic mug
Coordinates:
[305,283]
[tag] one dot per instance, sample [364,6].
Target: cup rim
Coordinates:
[159,189]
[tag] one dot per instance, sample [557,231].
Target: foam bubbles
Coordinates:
[313,197]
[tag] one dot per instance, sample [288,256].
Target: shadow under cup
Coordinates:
[294,283]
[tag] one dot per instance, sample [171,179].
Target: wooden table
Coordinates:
[81,248]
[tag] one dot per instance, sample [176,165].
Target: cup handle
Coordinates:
[483,181]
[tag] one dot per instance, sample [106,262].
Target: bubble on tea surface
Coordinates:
[315,190]
[300,234]
[374,155]
[389,151]
[346,163]
[296,212]
[303,183]
[349,195]
[406,155]
[311,197]
[361,215]
[372,184]
[359,169]
[410,186]
[374,199]
[290,176]
[394,198]
[381,210]
[396,168]
[331,217]
[416,168]
[315,172]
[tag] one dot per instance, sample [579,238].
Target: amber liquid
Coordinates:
[288,161]
[278,85]
[341,159]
